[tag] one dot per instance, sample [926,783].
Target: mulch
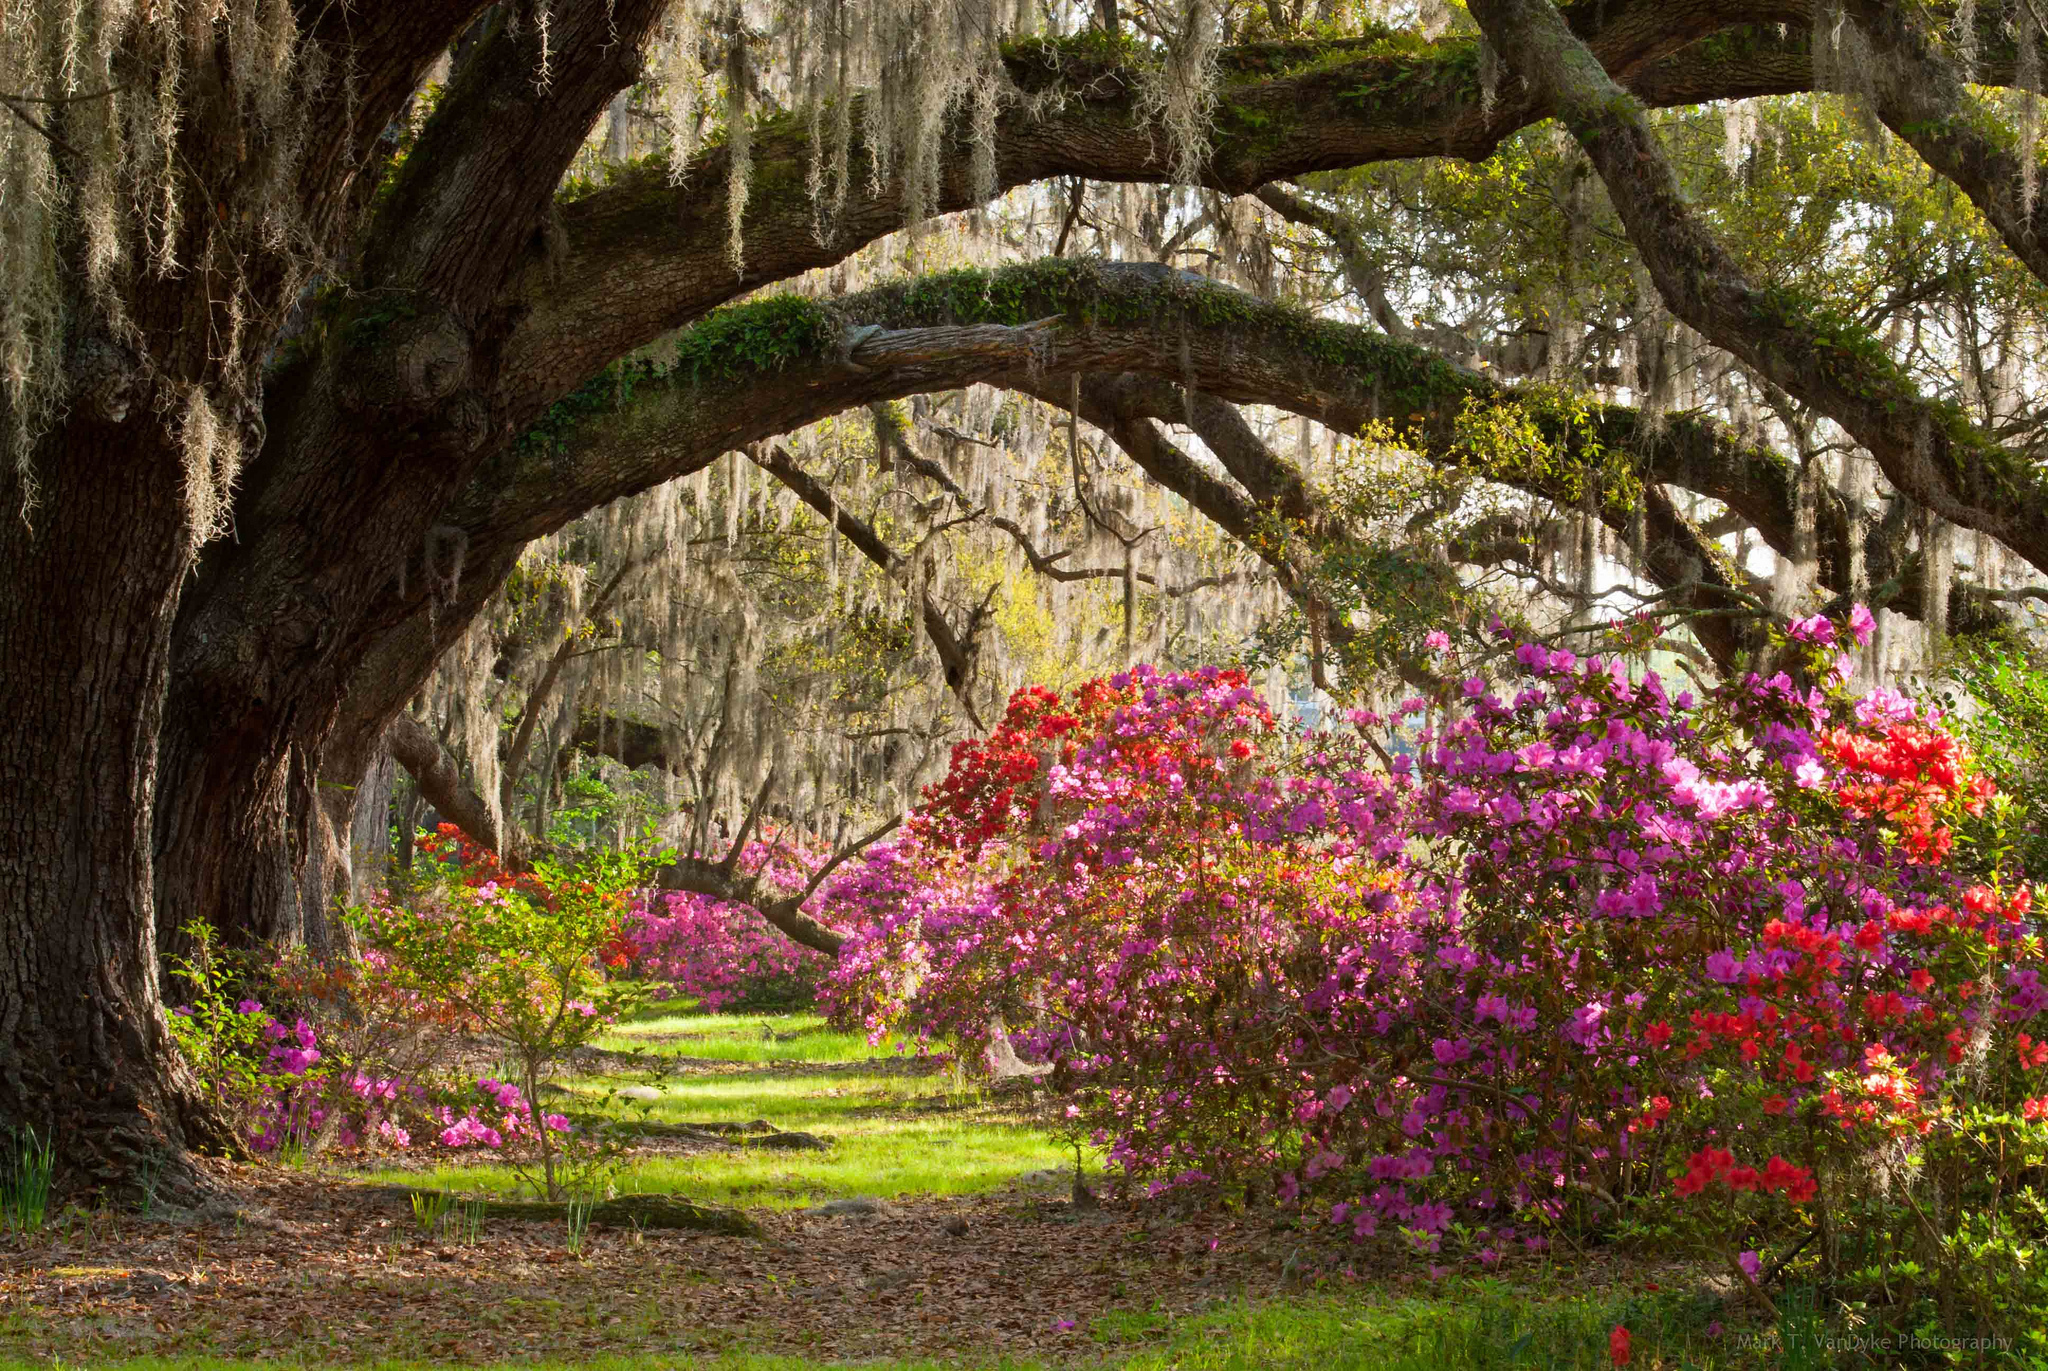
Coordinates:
[302,1265]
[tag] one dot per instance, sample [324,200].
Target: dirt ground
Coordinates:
[305,1266]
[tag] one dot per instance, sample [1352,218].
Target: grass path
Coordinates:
[897,1127]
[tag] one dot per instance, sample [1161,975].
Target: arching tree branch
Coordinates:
[1927,449]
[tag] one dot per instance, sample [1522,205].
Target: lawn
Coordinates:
[896,1126]
[741,1038]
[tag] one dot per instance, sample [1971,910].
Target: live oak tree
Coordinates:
[276,309]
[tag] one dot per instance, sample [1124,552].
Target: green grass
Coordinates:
[742,1038]
[895,1132]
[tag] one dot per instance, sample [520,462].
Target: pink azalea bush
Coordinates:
[371,1057]
[725,955]
[1590,951]
[294,1095]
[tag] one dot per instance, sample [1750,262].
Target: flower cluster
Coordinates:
[1588,938]
[725,955]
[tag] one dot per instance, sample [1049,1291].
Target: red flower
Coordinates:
[1619,1349]
[1780,1174]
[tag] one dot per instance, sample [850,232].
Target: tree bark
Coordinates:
[374,428]
[95,567]
[85,1050]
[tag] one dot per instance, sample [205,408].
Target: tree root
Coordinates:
[627,1211]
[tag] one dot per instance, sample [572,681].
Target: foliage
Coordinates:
[372,1058]
[237,1049]
[520,965]
[27,1166]
[1733,970]
[2001,706]
[724,955]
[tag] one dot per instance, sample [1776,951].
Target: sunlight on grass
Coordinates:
[883,1158]
[742,1038]
[894,1131]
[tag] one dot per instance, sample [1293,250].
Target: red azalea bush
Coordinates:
[1589,956]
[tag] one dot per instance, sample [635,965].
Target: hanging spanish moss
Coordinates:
[106,85]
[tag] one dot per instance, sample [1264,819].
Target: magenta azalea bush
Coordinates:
[1587,952]
[298,1089]
[725,955]
[378,1048]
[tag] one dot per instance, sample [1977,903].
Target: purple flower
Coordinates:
[1584,1028]
[1816,629]
[1862,623]
[1431,1218]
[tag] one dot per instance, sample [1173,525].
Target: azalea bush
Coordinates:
[374,1050]
[1590,955]
[521,967]
[722,954]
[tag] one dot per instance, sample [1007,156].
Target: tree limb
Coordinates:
[1927,449]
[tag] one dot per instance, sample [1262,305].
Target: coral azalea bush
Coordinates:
[1586,954]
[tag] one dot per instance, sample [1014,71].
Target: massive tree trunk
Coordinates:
[375,428]
[175,276]
[85,634]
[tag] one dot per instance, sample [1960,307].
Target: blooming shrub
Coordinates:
[725,955]
[369,1056]
[520,967]
[1594,954]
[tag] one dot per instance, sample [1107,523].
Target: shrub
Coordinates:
[725,955]
[521,966]
[370,1054]
[1738,969]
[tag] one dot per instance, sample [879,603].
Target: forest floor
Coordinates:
[936,1227]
